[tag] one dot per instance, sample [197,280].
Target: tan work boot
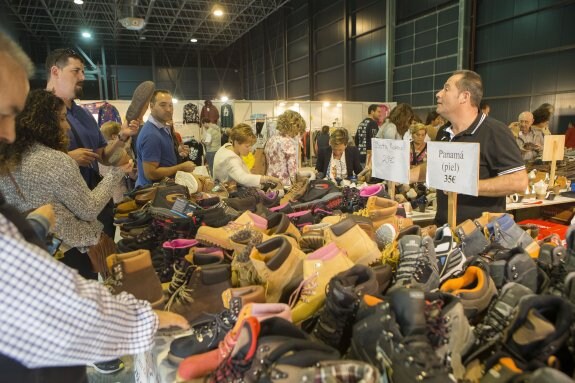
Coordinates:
[279,223]
[318,268]
[220,236]
[380,210]
[133,272]
[278,263]
[349,236]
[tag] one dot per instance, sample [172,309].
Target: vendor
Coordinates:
[228,163]
[338,160]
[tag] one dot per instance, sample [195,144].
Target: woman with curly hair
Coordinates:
[400,120]
[35,170]
[228,163]
[541,118]
[281,149]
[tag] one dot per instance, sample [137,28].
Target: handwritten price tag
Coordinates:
[453,166]
[390,160]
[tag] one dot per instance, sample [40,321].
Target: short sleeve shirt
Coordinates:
[86,127]
[498,155]
[154,144]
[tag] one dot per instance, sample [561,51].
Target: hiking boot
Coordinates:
[552,263]
[217,216]
[366,330]
[364,223]
[513,265]
[283,344]
[499,314]
[221,236]
[505,232]
[540,328]
[347,235]
[473,241]
[417,264]
[450,258]
[242,204]
[448,330]
[269,199]
[133,272]
[243,271]
[379,210]
[343,294]
[247,294]
[384,276]
[324,371]
[202,291]
[278,263]
[312,240]
[148,239]
[404,352]
[318,189]
[184,266]
[318,268]
[279,223]
[475,288]
[297,190]
[233,368]
[220,333]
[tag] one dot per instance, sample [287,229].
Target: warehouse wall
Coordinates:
[524,49]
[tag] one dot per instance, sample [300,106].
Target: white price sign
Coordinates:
[390,160]
[453,166]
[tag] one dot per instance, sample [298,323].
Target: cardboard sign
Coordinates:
[390,160]
[453,166]
[553,147]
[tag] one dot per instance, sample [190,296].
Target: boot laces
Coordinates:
[305,289]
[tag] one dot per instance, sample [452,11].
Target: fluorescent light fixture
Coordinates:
[142,37]
[79,2]
[224,98]
[194,40]
[339,105]
[86,35]
[174,100]
[218,12]
[326,104]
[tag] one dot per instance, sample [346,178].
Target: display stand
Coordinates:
[553,150]
[452,209]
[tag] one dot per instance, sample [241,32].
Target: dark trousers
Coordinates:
[79,261]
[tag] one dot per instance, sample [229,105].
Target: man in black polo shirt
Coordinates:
[367,130]
[501,168]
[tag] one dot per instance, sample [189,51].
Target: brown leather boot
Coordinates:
[133,272]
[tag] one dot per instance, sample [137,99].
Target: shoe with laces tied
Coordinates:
[243,271]
[417,263]
[202,292]
[182,267]
[221,236]
[403,350]
[297,190]
[318,268]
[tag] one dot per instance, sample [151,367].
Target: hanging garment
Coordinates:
[210,112]
[227,114]
[191,115]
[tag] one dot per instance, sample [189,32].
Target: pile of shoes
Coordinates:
[332,284]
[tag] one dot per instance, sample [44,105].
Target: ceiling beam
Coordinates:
[52,19]
[174,20]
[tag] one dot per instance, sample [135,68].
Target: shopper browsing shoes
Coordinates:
[338,161]
[228,163]
[501,170]
[54,322]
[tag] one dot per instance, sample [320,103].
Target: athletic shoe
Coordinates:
[450,258]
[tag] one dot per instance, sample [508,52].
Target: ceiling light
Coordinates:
[79,2]
[142,37]
[224,98]
[218,12]
[174,100]
[282,104]
[194,40]
[86,35]
[296,105]
[326,104]
[339,105]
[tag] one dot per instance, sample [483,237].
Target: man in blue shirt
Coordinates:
[155,147]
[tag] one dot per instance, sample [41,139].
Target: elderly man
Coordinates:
[54,322]
[501,168]
[530,141]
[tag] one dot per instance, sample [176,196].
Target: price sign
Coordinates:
[453,167]
[390,160]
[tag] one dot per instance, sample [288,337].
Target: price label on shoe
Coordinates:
[453,167]
[390,160]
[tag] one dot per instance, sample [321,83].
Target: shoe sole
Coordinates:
[208,240]
[106,372]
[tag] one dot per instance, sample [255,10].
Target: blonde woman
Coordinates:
[281,149]
[338,160]
[228,163]
[418,152]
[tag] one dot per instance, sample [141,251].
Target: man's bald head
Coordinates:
[525,121]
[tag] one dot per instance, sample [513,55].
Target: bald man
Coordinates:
[530,141]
